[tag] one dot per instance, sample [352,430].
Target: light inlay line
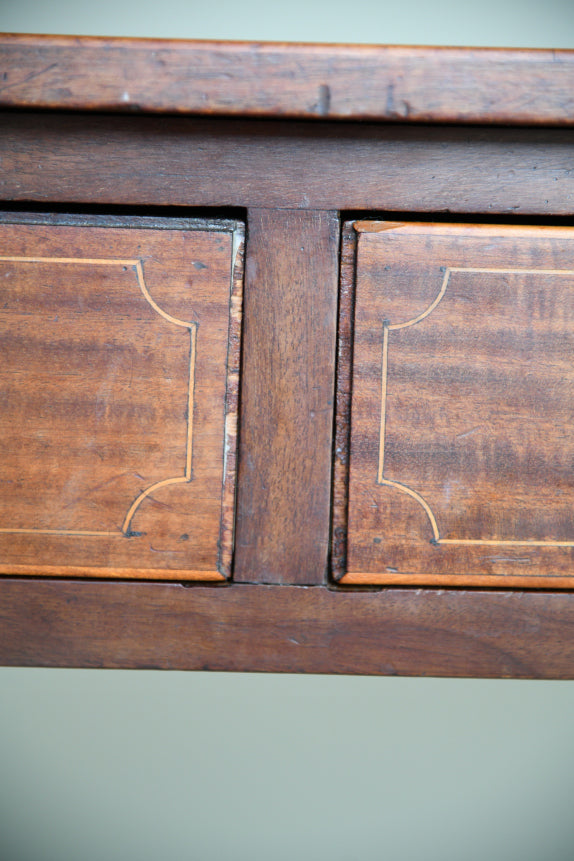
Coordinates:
[80,532]
[403,488]
[137,266]
[383,401]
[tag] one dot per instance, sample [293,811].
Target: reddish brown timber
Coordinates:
[287,392]
[286,629]
[344,380]
[471,85]
[119,372]
[145,161]
[461,416]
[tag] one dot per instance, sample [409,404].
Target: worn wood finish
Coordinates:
[287,397]
[293,179]
[343,388]
[480,85]
[462,402]
[182,162]
[287,629]
[118,381]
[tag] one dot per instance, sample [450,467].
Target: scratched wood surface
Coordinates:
[56,154]
[119,361]
[462,409]
[308,81]
[287,629]
[171,161]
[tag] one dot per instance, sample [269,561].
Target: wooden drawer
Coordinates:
[118,383]
[456,374]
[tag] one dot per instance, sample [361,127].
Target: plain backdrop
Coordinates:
[147,766]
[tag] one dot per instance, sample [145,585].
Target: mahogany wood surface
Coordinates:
[480,85]
[145,161]
[118,385]
[63,155]
[287,629]
[344,382]
[287,395]
[462,406]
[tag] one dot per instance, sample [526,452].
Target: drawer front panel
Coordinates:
[461,460]
[118,382]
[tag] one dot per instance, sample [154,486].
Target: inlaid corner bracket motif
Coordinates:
[192,327]
[389,327]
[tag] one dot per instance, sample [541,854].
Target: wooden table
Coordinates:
[286,380]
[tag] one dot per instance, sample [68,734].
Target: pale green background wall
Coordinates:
[514,23]
[126,766]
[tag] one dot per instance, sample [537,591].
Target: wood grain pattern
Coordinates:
[287,629]
[288,383]
[480,85]
[114,385]
[183,162]
[344,383]
[461,430]
[293,178]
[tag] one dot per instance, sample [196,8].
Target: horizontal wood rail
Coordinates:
[390,83]
[287,629]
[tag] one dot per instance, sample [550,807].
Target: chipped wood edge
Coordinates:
[343,392]
[227,523]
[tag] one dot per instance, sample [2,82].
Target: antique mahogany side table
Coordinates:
[287,339]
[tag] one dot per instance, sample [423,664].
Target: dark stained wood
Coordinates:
[288,381]
[118,384]
[215,163]
[307,81]
[285,173]
[462,423]
[343,388]
[287,629]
